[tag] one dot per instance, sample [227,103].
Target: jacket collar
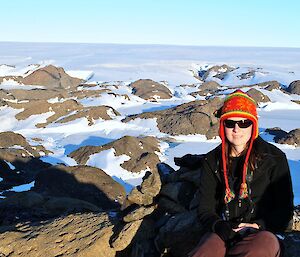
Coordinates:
[213,158]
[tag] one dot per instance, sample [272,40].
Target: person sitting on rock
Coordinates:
[245,193]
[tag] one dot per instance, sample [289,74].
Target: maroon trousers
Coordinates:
[260,244]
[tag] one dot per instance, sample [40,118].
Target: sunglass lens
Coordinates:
[245,123]
[229,123]
[241,123]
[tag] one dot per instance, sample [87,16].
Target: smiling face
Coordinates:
[238,137]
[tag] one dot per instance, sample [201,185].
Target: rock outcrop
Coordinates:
[91,114]
[80,182]
[270,85]
[150,90]
[19,161]
[82,235]
[42,106]
[216,71]
[140,150]
[258,96]
[37,94]
[197,117]
[207,88]
[62,112]
[294,87]
[49,77]
[291,138]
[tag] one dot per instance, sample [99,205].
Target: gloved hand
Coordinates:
[224,230]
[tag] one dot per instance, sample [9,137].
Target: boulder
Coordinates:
[50,77]
[150,90]
[207,88]
[81,182]
[258,96]
[294,87]
[277,132]
[270,85]
[291,138]
[149,188]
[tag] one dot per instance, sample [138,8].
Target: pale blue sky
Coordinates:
[178,22]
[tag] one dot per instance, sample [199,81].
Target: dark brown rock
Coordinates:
[32,206]
[258,96]
[51,77]
[38,94]
[81,94]
[140,150]
[195,117]
[91,114]
[9,139]
[180,234]
[247,75]
[81,182]
[206,88]
[270,85]
[167,205]
[277,132]
[150,90]
[291,138]
[139,213]
[137,197]
[179,192]
[149,188]
[294,87]
[219,72]
[15,150]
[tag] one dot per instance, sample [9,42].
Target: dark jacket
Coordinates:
[270,203]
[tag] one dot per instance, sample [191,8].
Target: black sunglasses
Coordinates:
[241,123]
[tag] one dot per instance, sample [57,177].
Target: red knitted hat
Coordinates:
[238,104]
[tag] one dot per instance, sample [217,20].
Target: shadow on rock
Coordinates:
[59,191]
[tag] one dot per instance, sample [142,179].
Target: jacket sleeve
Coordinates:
[278,198]
[208,190]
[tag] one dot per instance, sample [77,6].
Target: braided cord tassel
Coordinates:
[229,195]
[243,191]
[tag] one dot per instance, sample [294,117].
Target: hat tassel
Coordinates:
[229,195]
[243,191]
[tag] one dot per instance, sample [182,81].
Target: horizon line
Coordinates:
[148,44]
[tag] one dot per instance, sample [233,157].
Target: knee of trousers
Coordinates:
[264,243]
